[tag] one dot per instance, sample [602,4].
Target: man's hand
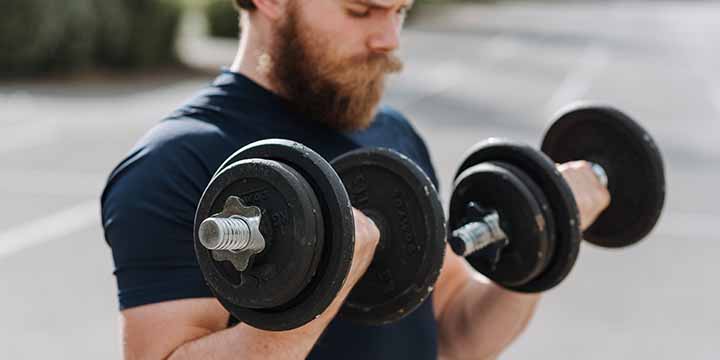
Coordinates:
[478,319]
[591,196]
[196,328]
[367,237]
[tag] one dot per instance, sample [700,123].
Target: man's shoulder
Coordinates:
[178,142]
[388,115]
[174,132]
[148,209]
[394,123]
[176,153]
[403,136]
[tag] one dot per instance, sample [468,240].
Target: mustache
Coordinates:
[384,63]
[363,67]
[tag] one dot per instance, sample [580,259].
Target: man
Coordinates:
[311,71]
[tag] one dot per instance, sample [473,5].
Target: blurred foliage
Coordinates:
[38,36]
[222,19]
[152,32]
[428,6]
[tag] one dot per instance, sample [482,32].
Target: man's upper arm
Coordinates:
[454,275]
[154,331]
[148,209]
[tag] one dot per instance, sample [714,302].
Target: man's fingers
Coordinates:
[591,196]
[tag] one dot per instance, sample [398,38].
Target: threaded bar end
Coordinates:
[224,234]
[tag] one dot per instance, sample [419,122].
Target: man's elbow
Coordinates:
[483,320]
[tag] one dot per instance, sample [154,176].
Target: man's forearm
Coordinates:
[243,341]
[250,343]
[482,319]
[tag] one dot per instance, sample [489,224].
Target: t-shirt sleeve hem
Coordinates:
[137,297]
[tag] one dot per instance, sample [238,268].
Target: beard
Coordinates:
[342,94]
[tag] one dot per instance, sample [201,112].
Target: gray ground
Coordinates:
[472,72]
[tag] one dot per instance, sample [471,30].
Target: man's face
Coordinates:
[331,57]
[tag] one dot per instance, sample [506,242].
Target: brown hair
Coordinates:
[244,4]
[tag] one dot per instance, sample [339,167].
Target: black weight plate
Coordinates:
[495,188]
[631,159]
[338,230]
[562,203]
[403,202]
[547,221]
[290,225]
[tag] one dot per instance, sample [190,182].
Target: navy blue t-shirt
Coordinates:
[149,202]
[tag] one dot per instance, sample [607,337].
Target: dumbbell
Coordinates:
[514,218]
[274,234]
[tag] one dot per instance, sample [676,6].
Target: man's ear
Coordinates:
[273,9]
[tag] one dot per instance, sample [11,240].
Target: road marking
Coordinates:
[577,82]
[51,227]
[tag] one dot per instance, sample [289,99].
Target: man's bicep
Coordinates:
[148,211]
[154,331]
[454,275]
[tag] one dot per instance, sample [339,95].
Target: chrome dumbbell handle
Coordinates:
[477,235]
[600,173]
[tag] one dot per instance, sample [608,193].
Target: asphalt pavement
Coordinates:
[471,72]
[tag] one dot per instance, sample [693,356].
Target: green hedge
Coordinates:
[151,33]
[222,19]
[31,31]
[39,36]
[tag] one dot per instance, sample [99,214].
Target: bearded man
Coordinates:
[311,71]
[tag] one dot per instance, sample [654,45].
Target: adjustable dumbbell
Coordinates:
[514,218]
[274,234]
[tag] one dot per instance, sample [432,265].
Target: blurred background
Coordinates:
[82,80]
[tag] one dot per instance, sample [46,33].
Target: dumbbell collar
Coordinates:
[233,234]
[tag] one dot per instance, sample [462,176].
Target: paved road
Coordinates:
[471,73]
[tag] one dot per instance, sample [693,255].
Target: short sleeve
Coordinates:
[415,144]
[148,209]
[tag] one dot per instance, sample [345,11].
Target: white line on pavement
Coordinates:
[577,82]
[51,227]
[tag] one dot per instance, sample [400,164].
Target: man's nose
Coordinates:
[386,36]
